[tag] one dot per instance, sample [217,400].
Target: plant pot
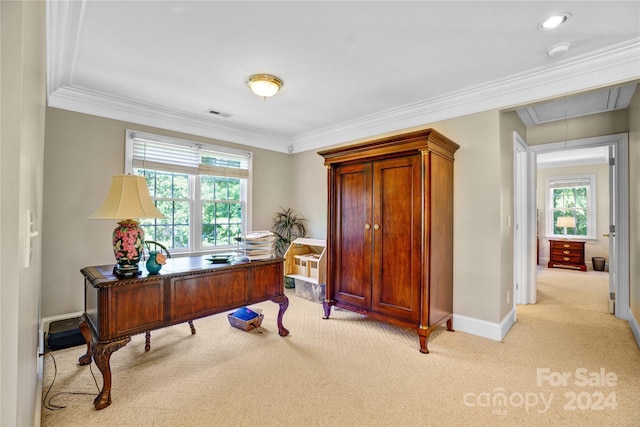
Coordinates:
[289,282]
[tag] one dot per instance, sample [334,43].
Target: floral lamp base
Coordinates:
[128,243]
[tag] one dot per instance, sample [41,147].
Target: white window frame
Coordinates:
[591,205]
[195,209]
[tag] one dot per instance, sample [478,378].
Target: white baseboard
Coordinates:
[482,328]
[635,328]
[45,321]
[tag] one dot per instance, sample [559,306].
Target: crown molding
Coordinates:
[127,110]
[615,64]
[63,32]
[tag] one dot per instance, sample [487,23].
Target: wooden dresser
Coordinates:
[567,253]
[390,230]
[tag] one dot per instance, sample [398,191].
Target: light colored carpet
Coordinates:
[354,371]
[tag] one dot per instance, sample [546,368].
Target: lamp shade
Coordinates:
[566,221]
[128,198]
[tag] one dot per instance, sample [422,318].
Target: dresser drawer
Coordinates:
[565,252]
[564,245]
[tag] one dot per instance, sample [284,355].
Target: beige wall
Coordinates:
[578,128]
[309,177]
[483,200]
[478,210]
[634,205]
[478,215]
[95,146]
[22,59]
[82,152]
[598,247]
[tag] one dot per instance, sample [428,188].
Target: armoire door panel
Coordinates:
[396,241]
[353,254]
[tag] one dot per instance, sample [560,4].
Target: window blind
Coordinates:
[570,182]
[183,157]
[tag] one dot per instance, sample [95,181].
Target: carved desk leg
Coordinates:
[193,328]
[86,334]
[147,341]
[101,355]
[283,301]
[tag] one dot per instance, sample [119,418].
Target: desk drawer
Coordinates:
[205,294]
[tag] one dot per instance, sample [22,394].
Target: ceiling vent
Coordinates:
[218,113]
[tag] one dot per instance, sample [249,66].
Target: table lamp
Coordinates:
[565,221]
[128,199]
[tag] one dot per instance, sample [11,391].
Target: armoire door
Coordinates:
[351,269]
[397,234]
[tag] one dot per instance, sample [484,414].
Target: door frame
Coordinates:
[523,264]
[619,197]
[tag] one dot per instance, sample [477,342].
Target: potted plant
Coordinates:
[287,226]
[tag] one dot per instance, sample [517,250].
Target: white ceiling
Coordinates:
[351,69]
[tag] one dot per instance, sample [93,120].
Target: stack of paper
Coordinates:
[257,245]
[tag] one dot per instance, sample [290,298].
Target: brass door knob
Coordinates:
[376,227]
[367,226]
[606,235]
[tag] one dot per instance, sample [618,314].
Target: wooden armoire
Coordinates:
[390,230]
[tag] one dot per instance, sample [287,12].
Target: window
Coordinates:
[201,189]
[573,196]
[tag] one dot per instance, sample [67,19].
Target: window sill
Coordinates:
[573,238]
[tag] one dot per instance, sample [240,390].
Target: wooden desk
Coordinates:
[186,289]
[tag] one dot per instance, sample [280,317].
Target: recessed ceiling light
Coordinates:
[554,21]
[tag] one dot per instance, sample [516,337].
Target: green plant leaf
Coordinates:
[287,226]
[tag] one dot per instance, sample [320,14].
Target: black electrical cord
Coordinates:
[53,407]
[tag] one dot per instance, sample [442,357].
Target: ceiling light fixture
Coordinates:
[264,85]
[554,22]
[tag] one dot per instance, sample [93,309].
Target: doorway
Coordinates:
[525,270]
